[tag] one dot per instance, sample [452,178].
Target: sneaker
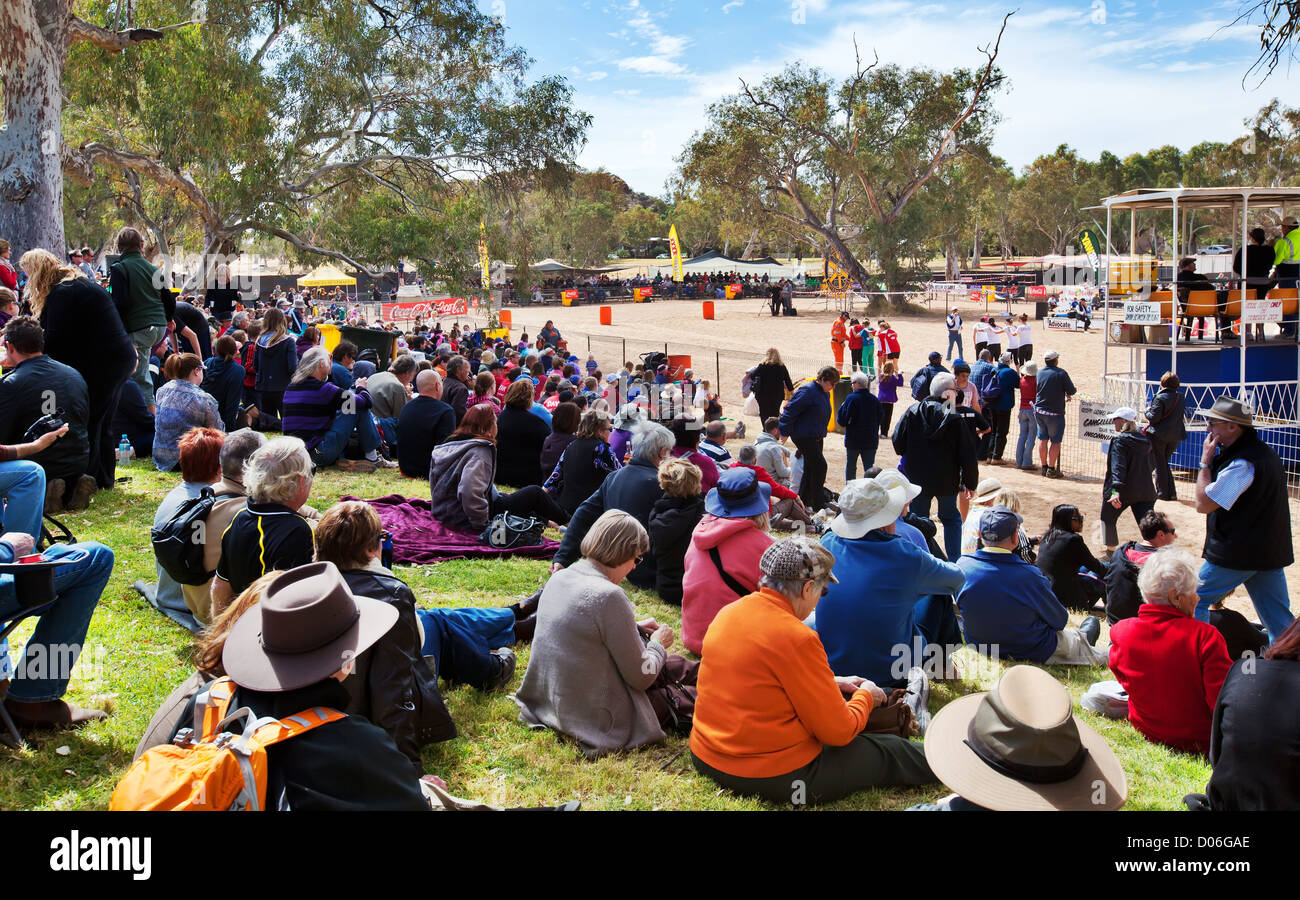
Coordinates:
[1045,470]
[918,697]
[1057,473]
[508,663]
[383,463]
[81,493]
[364,466]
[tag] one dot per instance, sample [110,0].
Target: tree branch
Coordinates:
[82,160]
[301,244]
[113,41]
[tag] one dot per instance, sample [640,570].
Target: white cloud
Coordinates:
[651,65]
[597,76]
[734,4]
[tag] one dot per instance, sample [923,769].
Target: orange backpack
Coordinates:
[220,771]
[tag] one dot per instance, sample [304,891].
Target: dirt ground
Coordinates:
[741,333]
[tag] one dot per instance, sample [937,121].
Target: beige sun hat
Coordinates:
[986,489]
[1019,747]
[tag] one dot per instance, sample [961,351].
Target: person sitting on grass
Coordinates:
[223,378]
[291,650]
[672,520]
[592,662]
[687,431]
[325,417]
[770,717]
[182,406]
[427,422]
[1008,604]
[788,511]
[462,472]
[270,531]
[564,427]
[1063,555]
[1171,665]
[585,463]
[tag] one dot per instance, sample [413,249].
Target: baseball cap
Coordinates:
[935,354]
[1125,412]
[1051,354]
[997,524]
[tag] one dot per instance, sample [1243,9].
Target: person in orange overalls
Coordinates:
[839,337]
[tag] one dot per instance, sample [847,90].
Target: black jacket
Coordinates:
[455,393]
[1167,417]
[423,424]
[83,330]
[672,521]
[346,765]
[1122,595]
[770,384]
[393,686]
[1255,751]
[579,472]
[1060,557]
[939,449]
[520,436]
[633,489]
[859,416]
[1255,535]
[23,395]
[224,380]
[1130,469]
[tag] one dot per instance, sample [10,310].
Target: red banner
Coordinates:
[570,295]
[976,296]
[438,309]
[641,293]
[1036,291]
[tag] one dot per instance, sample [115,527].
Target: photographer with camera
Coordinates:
[39,395]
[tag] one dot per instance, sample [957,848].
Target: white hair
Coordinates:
[272,472]
[650,440]
[860,379]
[310,362]
[1166,570]
[238,447]
[942,383]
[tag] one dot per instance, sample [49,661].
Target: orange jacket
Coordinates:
[838,334]
[768,701]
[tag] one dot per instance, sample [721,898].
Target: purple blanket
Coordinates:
[419,539]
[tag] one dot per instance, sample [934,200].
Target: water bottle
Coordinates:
[123,451]
[386,551]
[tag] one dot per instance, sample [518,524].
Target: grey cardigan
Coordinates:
[589,669]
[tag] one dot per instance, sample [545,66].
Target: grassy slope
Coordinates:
[142,655]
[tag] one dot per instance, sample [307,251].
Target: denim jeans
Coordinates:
[144,341]
[867,455]
[61,631]
[330,448]
[948,515]
[1026,438]
[461,642]
[388,429]
[954,337]
[1267,591]
[22,488]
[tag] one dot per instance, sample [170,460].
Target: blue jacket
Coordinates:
[882,578]
[859,415]
[1009,603]
[808,414]
[978,370]
[1054,385]
[1009,378]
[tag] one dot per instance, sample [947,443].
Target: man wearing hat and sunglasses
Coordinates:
[291,652]
[1241,487]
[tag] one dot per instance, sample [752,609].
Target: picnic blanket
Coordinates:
[419,538]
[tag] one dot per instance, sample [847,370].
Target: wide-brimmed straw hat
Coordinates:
[1019,747]
[1229,409]
[307,626]
[985,490]
[865,505]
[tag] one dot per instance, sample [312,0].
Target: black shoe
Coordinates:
[508,663]
[1044,471]
[54,489]
[1090,628]
[81,493]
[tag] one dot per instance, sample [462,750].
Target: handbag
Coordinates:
[506,532]
[673,692]
[893,717]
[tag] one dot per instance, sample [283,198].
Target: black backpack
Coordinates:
[990,387]
[178,543]
[921,383]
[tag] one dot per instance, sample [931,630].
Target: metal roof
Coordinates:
[1203,197]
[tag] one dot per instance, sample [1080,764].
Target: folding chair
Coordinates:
[34,588]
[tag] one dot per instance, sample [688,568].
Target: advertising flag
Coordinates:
[676,248]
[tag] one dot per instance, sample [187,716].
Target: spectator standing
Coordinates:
[804,421]
[1052,391]
[274,359]
[1000,407]
[954,324]
[1167,427]
[939,456]
[138,295]
[1241,487]
[839,337]
[887,392]
[1129,478]
[860,416]
[1028,422]
[770,383]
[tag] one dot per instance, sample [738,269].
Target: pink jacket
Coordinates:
[704,593]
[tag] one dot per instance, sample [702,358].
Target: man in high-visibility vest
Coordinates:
[839,337]
[1286,264]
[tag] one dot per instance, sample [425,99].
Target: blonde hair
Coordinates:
[1008,498]
[272,472]
[615,539]
[773,357]
[679,477]
[591,424]
[44,270]
[212,640]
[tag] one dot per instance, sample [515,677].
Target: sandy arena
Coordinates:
[741,333]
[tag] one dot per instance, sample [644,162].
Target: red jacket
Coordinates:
[779,491]
[1172,667]
[888,340]
[8,275]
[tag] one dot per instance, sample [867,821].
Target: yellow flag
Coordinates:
[675,248]
[484,262]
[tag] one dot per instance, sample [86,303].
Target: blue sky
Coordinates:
[1123,75]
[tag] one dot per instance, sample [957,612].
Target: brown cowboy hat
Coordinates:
[1229,409]
[1018,747]
[307,626]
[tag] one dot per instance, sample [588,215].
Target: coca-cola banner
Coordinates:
[437,309]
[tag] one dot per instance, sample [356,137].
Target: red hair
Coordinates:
[1287,645]
[201,455]
[479,421]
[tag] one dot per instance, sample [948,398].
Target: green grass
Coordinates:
[136,656]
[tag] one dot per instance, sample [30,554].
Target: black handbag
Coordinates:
[506,532]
